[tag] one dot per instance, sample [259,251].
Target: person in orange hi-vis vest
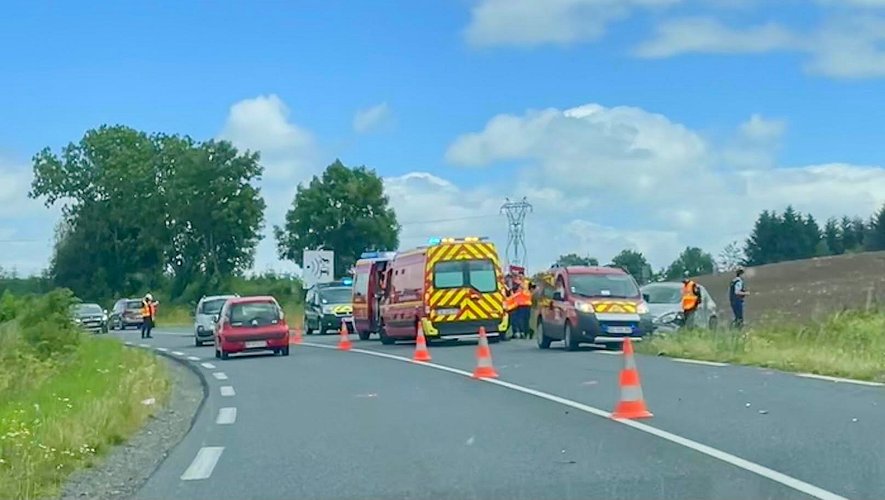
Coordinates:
[691,300]
[148,315]
[510,309]
[522,300]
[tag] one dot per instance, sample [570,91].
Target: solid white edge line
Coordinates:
[760,470]
[610,353]
[840,379]
[178,353]
[128,343]
[227,390]
[699,362]
[162,349]
[193,358]
[203,464]
[226,416]
[208,365]
[219,375]
[143,345]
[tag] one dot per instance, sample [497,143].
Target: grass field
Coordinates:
[60,410]
[847,344]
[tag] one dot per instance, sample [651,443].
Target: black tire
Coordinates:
[384,338]
[224,354]
[307,329]
[198,342]
[217,354]
[543,340]
[364,335]
[285,351]
[569,343]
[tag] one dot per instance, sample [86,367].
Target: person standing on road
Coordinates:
[148,314]
[691,300]
[523,302]
[737,292]
[511,310]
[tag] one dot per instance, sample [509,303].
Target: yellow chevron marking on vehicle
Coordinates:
[342,309]
[615,307]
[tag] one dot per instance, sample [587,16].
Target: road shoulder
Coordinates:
[123,471]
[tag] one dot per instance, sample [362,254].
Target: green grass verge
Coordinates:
[59,413]
[181,316]
[849,344]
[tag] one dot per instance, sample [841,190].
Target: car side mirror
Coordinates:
[215,317]
[105,311]
[646,297]
[557,296]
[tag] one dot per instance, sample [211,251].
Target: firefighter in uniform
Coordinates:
[510,309]
[148,314]
[691,300]
[522,300]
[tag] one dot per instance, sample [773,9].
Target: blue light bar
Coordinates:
[434,241]
[347,281]
[370,255]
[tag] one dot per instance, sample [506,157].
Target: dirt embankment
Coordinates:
[806,290]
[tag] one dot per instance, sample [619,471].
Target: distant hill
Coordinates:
[805,290]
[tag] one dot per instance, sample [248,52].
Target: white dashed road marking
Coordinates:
[227,390]
[611,353]
[208,365]
[760,470]
[193,358]
[839,379]
[699,362]
[203,464]
[178,353]
[128,343]
[143,345]
[162,349]
[220,376]
[226,416]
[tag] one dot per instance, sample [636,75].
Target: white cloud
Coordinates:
[603,179]
[288,151]
[532,22]
[756,145]
[369,119]
[842,47]
[26,226]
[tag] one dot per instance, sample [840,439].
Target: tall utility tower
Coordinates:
[516,212]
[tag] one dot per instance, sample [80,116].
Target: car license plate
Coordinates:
[451,311]
[619,329]
[253,344]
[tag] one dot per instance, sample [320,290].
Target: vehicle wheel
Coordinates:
[384,338]
[543,340]
[569,342]
[285,351]
[217,354]
[364,335]
[307,330]
[713,323]
[198,342]
[224,354]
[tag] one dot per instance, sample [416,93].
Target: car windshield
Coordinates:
[87,309]
[604,285]
[133,304]
[663,294]
[212,306]
[477,274]
[254,314]
[336,296]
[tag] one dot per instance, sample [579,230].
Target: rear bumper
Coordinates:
[464,329]
[235,346]
[332,322]
[203,333]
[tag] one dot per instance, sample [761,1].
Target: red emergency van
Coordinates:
[368,291]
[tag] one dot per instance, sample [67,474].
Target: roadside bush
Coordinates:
[45,322]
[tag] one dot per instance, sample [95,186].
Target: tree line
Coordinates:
[790,235]
[169,214]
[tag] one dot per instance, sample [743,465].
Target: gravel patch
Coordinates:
[125,468]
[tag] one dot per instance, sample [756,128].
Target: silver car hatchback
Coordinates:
[205,317]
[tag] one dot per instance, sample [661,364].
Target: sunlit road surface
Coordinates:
[368,423]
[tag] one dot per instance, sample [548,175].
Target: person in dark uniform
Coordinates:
[737,292]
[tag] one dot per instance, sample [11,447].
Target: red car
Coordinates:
[250,324]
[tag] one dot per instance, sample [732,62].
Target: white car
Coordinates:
[665,304]
[205,317]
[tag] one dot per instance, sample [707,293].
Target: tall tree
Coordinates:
[730,257]
[875,237]
[634,263]
[832,236]
[692,260]
[762,245]
[573,259]
[345,210]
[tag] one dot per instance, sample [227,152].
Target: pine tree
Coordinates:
[833,237]
[875,237]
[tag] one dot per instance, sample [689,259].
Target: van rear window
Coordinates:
[477,274]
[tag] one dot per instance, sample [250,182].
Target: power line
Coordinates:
[450,219]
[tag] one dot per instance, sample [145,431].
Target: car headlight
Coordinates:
[670,317]
[77,320]
[585,307]
[642,308]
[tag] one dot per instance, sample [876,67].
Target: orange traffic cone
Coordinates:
[296,336]
[484,368]
[631,404]
[421,352]
[344,342]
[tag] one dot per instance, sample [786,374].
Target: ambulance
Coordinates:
[452,287]
[368,291]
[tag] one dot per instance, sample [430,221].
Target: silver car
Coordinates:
[205,317]
[665,304]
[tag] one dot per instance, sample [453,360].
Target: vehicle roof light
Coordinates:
[347,281]
[434,241]
[369,255]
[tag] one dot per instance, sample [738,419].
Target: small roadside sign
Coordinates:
[318,267]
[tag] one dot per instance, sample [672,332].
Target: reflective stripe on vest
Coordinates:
[689,299]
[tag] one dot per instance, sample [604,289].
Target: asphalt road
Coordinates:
[368,423]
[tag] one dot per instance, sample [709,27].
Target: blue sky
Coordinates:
[696,114]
